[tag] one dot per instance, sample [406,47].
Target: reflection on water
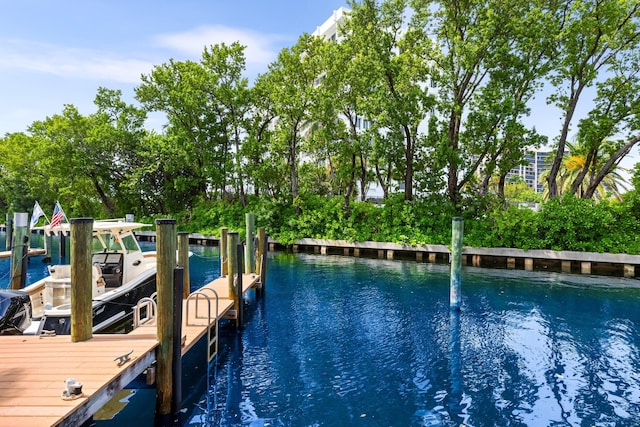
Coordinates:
[348,341]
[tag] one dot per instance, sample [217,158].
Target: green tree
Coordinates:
[598,46]
[492,56]
[206,106]
[391,42]
[293,91]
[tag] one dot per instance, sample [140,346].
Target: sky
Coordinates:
[54,53]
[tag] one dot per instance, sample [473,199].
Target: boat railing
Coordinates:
[145,312]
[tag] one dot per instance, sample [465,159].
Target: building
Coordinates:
[537,163]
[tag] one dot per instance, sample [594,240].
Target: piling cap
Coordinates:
[458,218]
[80,220]
[165,221]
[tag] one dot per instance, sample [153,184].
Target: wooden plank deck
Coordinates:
[33,369]
[221,286]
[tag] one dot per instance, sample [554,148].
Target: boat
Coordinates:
[121,275]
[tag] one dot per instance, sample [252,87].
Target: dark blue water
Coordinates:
[344,341]
[341,341]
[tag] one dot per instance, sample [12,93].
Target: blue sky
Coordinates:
[57,53]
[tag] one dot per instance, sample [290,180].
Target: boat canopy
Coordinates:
[114,227]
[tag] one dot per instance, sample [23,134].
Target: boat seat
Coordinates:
[57,287]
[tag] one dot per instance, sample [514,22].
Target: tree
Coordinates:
[394,47]
[292,89]
[205,104]
[492,56]
[598,45]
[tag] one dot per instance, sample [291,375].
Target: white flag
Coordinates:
[37,213]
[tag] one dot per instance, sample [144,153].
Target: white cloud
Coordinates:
[261,49]
[22,55]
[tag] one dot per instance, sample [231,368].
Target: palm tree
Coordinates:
[572,177]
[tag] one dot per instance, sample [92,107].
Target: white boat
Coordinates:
[121,275]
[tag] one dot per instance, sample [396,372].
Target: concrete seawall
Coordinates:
[620,265]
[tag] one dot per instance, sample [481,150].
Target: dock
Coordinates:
[32,252]
[34,369]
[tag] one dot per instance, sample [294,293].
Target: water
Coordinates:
[348,341]
[344,341]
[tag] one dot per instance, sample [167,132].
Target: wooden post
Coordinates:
[19,250]
[232,244]
[419,256]
[224,253]
[323,250]
[585,267]
[165,264]
[566,266]
[183,261]
[9,231]
[356,252]
[176,361]
[250,250]
[390,254]
[240,292]
[262,257]
[81,287]
[48,242]
[63,245]
[432,256]
[457,229]
[511,263]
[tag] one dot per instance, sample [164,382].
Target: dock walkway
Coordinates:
[34,369]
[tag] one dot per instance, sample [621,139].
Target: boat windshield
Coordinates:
[105,242]
[130,244]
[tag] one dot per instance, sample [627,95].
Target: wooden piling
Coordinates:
[262,257]
[81,286]
[224,253]
[232,244]
[62,248]
[166,263]
[9,231]
[240,292]
[176,360]
[250,253]
[183,261]
[19,250]
[48,242]
[457,229]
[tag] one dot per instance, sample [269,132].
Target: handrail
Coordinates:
[212,347]
[151,307]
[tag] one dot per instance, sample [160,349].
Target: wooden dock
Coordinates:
[32,252]
[34,369]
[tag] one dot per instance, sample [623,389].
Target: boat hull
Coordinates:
[110,315]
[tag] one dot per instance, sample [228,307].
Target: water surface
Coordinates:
[341,341]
